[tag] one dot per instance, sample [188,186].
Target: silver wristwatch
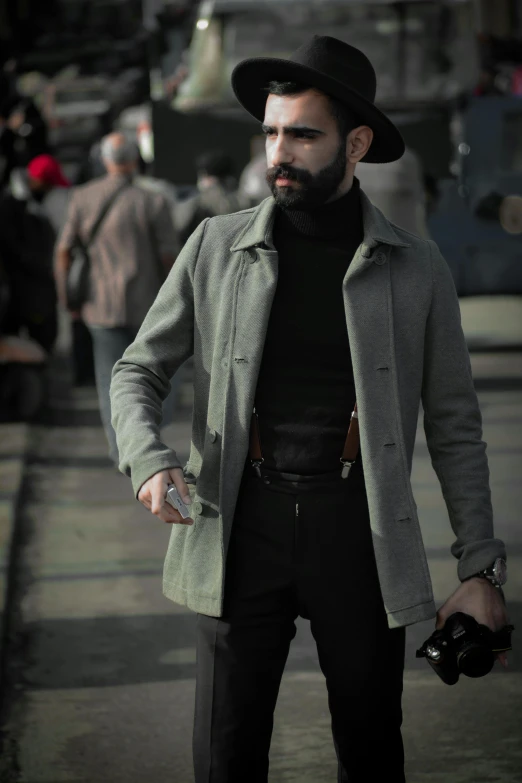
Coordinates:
[496,573]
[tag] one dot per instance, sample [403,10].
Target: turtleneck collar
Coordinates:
[331,221]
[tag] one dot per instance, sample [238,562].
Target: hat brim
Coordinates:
[250,79]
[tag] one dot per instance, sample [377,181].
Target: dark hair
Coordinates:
[345,119]
[215,163]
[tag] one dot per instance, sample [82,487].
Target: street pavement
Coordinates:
[104,675]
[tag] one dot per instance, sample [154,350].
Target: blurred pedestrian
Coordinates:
[317,328]
[130,256]
[253,187]
[55,205]
[23,131]
[22,368]
[217,193]
[145,179]
[27,240]
[398,190]
[145,140]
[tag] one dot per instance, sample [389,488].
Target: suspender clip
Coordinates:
[256,464]
[347,466]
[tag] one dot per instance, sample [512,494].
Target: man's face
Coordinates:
[306,157]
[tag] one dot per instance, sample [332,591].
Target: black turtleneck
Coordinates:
[305,392]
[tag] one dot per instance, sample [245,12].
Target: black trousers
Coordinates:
[299,548]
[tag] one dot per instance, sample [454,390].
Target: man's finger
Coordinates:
[179,483]
[159,491]
[169,514]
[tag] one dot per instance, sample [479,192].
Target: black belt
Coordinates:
[277,475]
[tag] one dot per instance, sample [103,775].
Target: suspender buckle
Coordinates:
[347,466]
[256,464]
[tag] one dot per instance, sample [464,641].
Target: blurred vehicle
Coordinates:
[77,111]
[477,218]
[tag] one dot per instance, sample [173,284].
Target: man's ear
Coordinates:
[358,143]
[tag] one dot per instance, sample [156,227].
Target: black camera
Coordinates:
[464,646]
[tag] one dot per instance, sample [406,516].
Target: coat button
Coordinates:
[213,436]
[380,258]
[196,507]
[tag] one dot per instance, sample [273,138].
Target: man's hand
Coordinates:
[153,495]
[480,599]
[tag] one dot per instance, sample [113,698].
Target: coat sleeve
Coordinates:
[453,427]
[141,378]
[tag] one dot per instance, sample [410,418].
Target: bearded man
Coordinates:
[306,315]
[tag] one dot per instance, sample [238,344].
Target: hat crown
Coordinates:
[340,61]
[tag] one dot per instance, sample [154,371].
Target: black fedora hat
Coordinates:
[335,68]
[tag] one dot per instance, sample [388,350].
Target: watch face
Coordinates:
[500,571]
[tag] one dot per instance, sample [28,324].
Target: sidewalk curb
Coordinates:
[14,446]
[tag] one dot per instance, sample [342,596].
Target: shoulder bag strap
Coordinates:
[104,212]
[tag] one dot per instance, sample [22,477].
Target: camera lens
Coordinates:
[475,660]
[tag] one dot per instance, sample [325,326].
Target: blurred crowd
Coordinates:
[129,226]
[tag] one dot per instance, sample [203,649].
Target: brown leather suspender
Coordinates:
[351,444]
[350,451]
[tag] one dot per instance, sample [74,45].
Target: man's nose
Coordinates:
[279,153]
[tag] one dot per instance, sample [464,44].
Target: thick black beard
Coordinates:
[315,189]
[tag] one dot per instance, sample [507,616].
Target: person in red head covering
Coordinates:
[27,237]
[50,187]
[45,173]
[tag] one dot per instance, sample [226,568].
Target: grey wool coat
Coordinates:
[407,345]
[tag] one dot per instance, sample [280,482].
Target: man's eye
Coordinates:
[308,136]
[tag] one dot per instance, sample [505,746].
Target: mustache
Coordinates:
[288,172]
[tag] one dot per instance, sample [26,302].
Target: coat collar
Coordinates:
[258,231]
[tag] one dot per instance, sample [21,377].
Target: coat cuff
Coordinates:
[148,468]
[480,555]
